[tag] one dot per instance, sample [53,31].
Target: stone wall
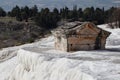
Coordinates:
[81,43]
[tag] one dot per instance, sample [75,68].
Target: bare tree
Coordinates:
[114,20]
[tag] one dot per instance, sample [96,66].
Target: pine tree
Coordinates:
[2,12]
[80,14]
[75,13]
[33,11]
[99,16]
[15,11]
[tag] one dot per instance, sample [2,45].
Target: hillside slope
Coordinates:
[14,33]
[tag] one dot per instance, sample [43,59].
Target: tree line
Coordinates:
[48,19]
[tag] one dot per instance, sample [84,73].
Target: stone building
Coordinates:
[74,36]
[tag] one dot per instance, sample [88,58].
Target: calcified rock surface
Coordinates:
[34,66]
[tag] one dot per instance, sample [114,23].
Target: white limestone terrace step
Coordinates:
[93,55]
[46,68]
[101,65]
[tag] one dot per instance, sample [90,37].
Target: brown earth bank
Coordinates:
[17,33]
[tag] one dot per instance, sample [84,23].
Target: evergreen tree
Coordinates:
[47,19]
[33,11]
[2,12]
[75,13]
[15,11]
[99,16]
[86,14]
[56,11]
[64,13]
[25,13]
[80,14]
[89,14]
[92,14]
[56,16]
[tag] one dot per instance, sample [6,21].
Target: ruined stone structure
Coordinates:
[76,36]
